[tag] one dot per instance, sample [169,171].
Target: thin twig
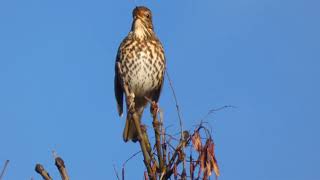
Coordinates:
[179,115]
[130,158]
[116,172]
[211,111]
[176,102]
[163,143]
[4,169]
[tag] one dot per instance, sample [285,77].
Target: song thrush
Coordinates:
[142,63]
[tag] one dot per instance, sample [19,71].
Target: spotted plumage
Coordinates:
[142,62]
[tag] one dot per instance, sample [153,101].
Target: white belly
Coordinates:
[141,82]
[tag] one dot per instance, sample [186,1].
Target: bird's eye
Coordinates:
[148,15]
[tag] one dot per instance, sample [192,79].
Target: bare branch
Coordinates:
[61,167]
[40,170]
[157,132]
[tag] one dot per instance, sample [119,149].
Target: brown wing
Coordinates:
[118,91]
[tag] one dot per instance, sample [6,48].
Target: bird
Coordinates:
[142,67]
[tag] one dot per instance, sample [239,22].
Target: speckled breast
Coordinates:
[143,65]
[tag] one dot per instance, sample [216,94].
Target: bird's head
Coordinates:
[142,22]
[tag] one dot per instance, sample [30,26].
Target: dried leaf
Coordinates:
[203,160]
[215,167]
[196,141]
[208,168]
[210,148]
[212,159]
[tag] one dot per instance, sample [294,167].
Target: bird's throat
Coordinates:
[140,30]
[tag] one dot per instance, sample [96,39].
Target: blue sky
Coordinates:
[56,84]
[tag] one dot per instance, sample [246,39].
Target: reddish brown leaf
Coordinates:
[212,158]
[196,141]
[216,167]
[202,160]
[208,168]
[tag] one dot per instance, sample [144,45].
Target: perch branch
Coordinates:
[156,127]
[157,131]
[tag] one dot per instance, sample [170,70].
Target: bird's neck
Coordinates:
[141,31]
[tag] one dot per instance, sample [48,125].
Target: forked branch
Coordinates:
[60,166]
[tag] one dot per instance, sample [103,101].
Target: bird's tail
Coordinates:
[130,131]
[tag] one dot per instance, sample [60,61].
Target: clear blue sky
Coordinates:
[56,84]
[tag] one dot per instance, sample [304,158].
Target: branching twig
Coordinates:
[60,165]
[211,111]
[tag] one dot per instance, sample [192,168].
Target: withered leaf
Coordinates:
[202,160]
[196,141]
[212,159]
[208,168]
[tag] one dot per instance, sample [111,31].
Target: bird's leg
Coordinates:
[130,100]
